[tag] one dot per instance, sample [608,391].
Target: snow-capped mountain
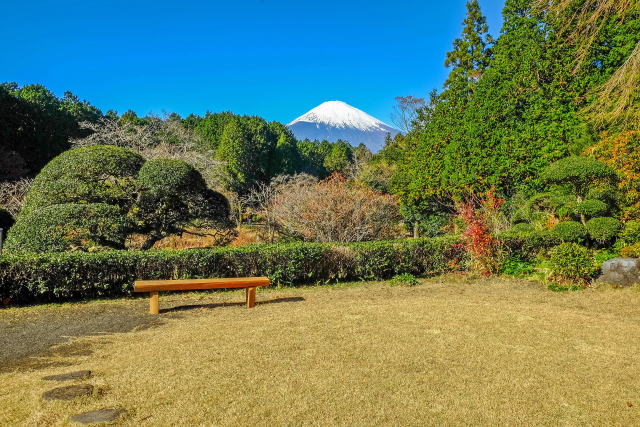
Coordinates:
[333,120]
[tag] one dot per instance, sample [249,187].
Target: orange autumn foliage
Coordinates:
[622,153]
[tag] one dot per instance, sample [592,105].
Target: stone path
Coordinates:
[68,392]
[105,415]
[99,416]
[71,376]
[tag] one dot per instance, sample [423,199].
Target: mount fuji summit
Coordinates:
[333,120]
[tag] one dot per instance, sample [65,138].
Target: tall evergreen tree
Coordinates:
[469,58]
[419,180]
[235,151]
[286,159]
[524,114]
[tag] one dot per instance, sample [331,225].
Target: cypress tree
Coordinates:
[235,151]
[419,178]
[524,114]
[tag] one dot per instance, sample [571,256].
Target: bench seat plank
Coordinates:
[196,284]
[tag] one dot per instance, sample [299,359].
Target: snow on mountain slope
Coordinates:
[333,120]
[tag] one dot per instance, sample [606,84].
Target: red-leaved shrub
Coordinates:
[480,217]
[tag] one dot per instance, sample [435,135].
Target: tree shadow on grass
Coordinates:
[228,304]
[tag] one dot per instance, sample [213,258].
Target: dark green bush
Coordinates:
[96,174]
[433,225]
[580,172]
[605,193]
[572,262]
[590,208]
[569,231]
[6,220]
[170,176]
[603,230]
[160,197]
[67,227]
[31,277]
[527,245]
[172,195]
[579,184]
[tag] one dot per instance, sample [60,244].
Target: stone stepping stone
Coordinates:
[68,392]
[99,416]
[70,376]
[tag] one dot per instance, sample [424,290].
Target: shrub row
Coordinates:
[59,276]
[527,244]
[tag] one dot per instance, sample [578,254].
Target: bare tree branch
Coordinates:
[158,138]
[12,194]
[406,112]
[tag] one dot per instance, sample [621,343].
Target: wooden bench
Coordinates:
[156,286]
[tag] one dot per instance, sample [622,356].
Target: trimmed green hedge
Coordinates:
[603,230]
[68,226]
[526,245]
[60,276]
[96,174]
[570,231]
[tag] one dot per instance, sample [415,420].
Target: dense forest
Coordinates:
[37,125]
[513,105]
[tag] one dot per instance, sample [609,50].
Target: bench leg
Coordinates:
[154,303]
[251,297]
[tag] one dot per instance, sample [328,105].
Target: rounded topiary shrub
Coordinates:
[590,208]
[172,196]
[569,231]
[581,172]
[67,227]
[605,193]
[6,219]
[603,230]
[171,192]
[95,174]
[170,176]
[572,262]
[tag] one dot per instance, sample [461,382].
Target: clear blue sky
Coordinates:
[273,58]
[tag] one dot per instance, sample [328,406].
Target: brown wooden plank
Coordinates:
[196,284]
[251,297]
[154,303]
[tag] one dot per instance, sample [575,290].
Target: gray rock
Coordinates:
[68,392]
[621,271]
[70,376]
[99,416]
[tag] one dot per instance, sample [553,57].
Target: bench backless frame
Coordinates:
[154,287]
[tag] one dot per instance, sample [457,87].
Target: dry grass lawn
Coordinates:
[449,351]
